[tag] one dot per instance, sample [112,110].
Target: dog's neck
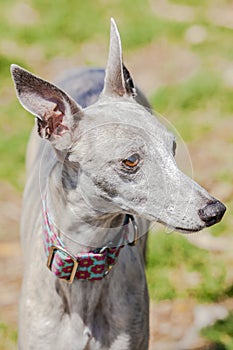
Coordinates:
[80,227]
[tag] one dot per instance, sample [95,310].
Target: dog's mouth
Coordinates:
[181,229]
[184,230]
[188,230]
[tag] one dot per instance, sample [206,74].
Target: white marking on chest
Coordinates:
[121,342]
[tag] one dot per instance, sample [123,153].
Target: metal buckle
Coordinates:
[109,268]
[135,227]
[53,249]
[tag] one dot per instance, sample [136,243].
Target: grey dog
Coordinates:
[102,169]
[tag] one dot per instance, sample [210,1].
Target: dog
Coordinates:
[100,168]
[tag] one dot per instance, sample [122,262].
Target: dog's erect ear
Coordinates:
[118,81]
[57,113]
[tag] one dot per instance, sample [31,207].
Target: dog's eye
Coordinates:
[132,161]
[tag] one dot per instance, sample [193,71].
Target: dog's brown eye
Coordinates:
[131,161]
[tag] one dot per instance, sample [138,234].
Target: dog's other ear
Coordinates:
[57,113]
[118,81]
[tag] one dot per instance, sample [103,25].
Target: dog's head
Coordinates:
[115,152]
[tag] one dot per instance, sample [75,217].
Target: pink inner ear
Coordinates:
[51,124]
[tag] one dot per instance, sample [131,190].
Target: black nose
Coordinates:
[212,213]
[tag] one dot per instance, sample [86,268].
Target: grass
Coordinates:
[221,333]
[15,128]
[202,94]
[8,337]
[171,259]
[196,106]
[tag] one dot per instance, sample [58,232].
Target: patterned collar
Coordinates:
[93,265]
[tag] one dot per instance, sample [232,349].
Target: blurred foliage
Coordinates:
[171,259]
[221,333]
[8,337]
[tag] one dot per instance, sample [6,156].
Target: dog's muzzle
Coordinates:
[212,213]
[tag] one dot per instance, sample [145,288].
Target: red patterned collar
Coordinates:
[93,265]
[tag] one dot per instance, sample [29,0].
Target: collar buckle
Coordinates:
[135,228]
[57,249]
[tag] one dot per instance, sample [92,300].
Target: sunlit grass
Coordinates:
[171,258]
[15,130]
[221,333]
[8,337]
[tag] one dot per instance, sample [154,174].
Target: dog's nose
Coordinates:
[212,213]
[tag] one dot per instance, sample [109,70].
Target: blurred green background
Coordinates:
[181,54]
